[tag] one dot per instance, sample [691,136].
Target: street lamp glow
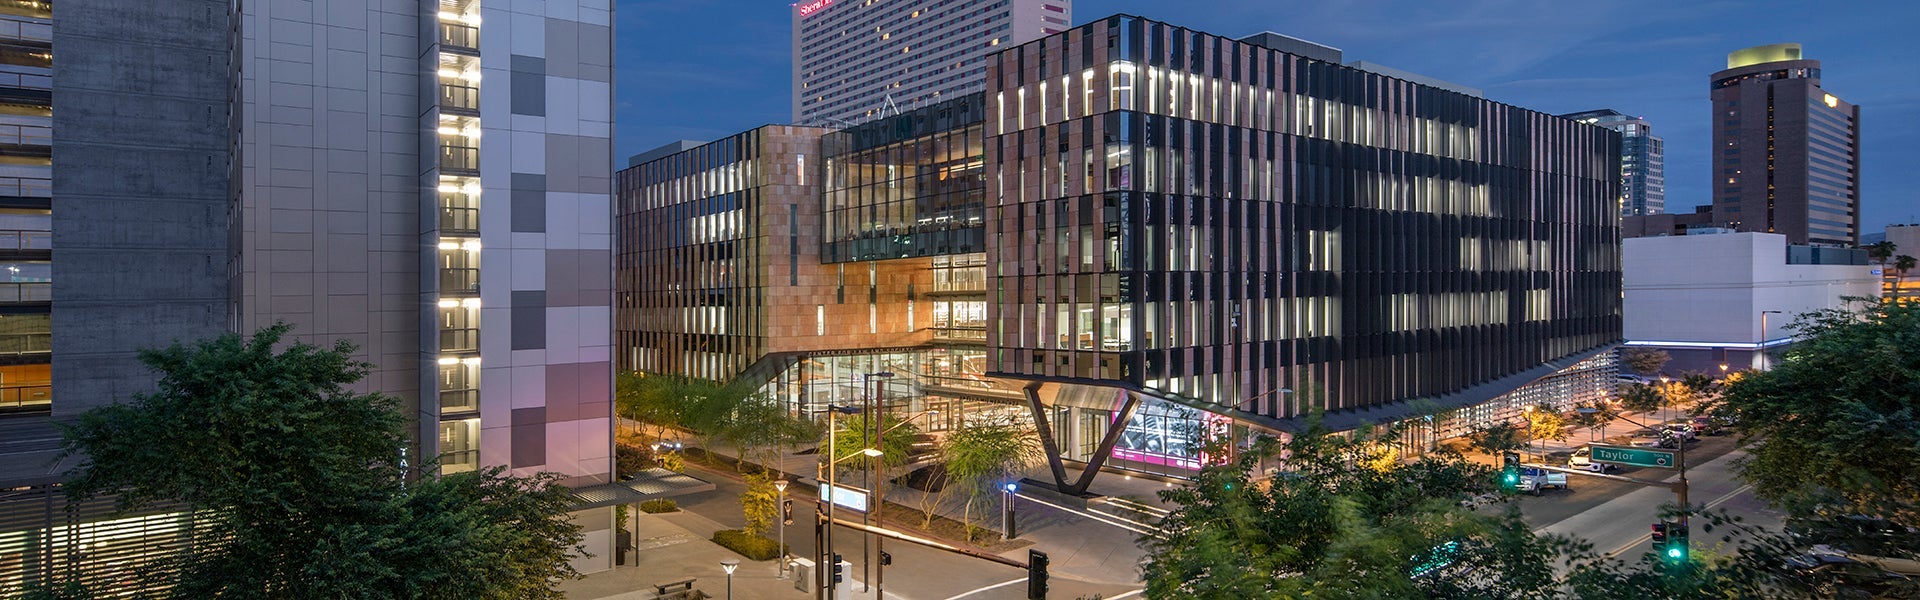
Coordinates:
[872,452]
[780,484]
[729,564]
[1011,486]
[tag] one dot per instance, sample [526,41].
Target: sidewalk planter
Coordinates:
[659,505]
[750,546]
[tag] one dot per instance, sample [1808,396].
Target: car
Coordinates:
[1535,480]
[1709,424]
[1632,379]
[1682,428]
[1583,459]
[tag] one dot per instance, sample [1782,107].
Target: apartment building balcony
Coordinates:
[463,100]
[456,280]
[456,220]
[459,38]
[459,340]
[459,160]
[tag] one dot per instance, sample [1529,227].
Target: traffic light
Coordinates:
[1510,470]
[1036,575]
[1660,539]
[839,570]
[786,511]
[1677,549]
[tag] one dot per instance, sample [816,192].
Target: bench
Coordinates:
[666,590]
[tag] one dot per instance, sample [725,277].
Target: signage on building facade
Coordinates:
[814,7]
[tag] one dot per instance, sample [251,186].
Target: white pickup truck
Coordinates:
[1583,459]
[1534,481]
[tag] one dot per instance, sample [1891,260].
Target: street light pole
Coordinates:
[781,522]
[730,564]
[874,419]
[1763,337]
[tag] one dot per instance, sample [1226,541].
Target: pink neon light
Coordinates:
[815,6]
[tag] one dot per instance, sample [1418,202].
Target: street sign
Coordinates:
[846,497]
[1637,457]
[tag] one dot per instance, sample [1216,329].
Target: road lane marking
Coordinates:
[1649,534]
[1116,521]
[1128,594]
[990,587]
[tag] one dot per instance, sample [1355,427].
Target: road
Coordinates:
[919,572]
[1617,516]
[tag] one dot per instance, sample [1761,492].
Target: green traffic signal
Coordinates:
[1675,553]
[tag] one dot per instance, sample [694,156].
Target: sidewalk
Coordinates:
[676,546]
[1078,548]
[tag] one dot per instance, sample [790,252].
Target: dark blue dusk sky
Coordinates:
[702,69]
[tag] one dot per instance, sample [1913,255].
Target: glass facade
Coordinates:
[906,186]
[1221,235]
[1212,221]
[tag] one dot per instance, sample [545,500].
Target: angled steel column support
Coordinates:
[1045,428]
[1107,443]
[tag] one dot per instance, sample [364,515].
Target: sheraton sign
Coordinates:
[814,7]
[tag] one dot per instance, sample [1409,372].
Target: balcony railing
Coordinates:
[25,30]
[32,291]
[460,35]
[459,461]
[459,158]
[459,280]
[964,334]
[453,401]
[27,187]
[26,239]
[15,397]
[459,340]
[459,97]
[26,135]
[453,218]
[26,80]
[20,344]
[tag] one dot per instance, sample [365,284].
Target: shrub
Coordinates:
[659,505]
[751,546]
[632,459]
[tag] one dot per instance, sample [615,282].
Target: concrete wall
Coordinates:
[140,194]
[1711,288]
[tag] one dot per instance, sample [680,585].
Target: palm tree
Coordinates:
[1902,265]
[1881,251]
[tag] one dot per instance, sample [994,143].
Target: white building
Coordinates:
[850,56]
[1703,298]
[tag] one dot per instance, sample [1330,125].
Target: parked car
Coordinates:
[1535,480]
[1682,428]
[1709,424]
[1583,459]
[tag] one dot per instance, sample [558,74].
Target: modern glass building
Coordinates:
[1786,151]
[1643,157]
[1138,232]
[854,60]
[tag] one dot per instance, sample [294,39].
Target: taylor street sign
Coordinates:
[1637,457]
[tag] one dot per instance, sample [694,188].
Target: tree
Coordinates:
[1327,530]
[1645,361]
[1902,264]
[759,504]
[760,426]
[1834,428]
[1641,398]
[1591,414]
[1546,423]
[1881,251]
[856,433]
[1497,438]
[983,456]
[304,482]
